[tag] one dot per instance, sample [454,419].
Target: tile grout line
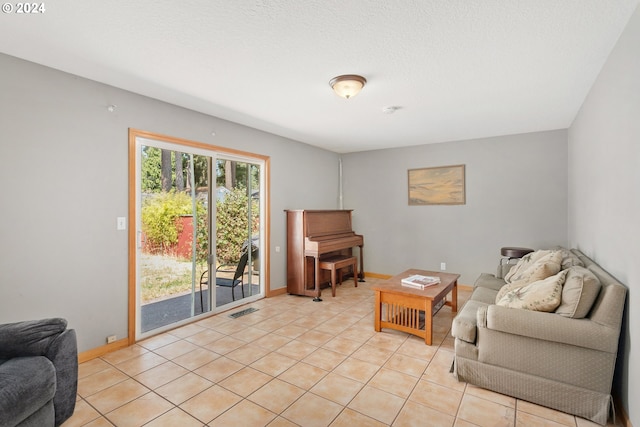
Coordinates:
[226,330]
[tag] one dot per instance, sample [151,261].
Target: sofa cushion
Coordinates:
[489,281]
[486,295]
[26,385]
[580,290]
[541,295]
[540,265]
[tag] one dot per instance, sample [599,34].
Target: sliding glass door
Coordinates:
[198,246]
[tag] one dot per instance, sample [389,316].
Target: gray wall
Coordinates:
[64,174]
[516,195]
[604,190]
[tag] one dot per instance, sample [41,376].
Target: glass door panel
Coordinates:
[238,228]
[173,234]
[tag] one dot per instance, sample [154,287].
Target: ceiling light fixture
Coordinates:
[348,85]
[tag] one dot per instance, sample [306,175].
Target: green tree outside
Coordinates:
[162,208]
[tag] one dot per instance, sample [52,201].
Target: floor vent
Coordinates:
[242,312]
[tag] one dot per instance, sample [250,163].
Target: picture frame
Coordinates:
[441,185]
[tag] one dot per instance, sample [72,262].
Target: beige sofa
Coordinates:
[562,359]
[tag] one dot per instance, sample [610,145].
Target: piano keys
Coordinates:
[311,236]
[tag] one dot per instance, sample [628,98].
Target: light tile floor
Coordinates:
[295,362]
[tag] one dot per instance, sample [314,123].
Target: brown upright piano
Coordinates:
[311,236]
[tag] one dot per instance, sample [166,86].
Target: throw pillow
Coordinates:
[542,267]
[509,287]
[523,263]
[580,290]
[541,295]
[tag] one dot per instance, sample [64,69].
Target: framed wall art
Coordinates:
[443,185]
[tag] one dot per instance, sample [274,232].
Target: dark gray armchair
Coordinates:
[38,373]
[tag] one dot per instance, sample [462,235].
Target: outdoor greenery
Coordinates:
[167,198]
[159,279]
[167,178]
[160,213]
[160,225]
[233,223]
[161,172]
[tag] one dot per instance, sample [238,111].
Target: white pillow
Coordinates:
[540,265]
[541,295]
[580,290]
[523,263]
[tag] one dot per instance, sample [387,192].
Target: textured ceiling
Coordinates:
[458,69]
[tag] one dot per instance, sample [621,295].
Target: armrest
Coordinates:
[29,338]
[227,268]
[489,281]
[549,326]
[63,353]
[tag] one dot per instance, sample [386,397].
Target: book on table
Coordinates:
[419,281]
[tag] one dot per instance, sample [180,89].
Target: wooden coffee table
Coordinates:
[411,310]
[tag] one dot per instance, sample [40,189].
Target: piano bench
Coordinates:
[335,264]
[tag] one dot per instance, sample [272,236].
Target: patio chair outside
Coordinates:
[238,278]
